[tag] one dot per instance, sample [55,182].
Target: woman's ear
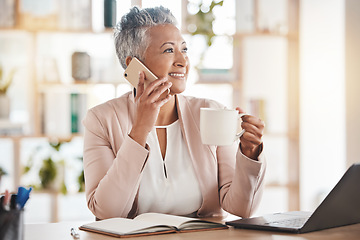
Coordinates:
[128,60]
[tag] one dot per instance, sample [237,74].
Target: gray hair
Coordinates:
[130,33]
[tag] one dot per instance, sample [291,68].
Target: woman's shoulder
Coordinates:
[111,108]
[119,103]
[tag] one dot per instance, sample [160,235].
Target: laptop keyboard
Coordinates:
[294,223]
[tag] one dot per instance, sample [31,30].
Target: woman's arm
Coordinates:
[111,178]
[240,181]
[242,194]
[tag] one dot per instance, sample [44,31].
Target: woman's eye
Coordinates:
[169,50]
[185,50]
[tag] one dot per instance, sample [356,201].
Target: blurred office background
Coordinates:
[293,63]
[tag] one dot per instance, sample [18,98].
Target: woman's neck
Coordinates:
[168,113]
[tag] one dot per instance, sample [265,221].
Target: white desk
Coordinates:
[61,231]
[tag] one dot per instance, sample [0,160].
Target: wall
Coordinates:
[352,59]
[322,98]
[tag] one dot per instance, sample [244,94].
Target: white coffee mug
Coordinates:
[219,126]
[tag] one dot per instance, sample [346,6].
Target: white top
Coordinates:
[170,185]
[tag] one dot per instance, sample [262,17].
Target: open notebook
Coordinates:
[341,207]
[150,224]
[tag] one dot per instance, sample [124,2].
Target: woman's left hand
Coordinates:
[251,140]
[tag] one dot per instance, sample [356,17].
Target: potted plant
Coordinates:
[50,169]
[53,166]
[201,23]
[2,173]
[5,83]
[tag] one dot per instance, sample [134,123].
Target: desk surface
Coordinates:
[61,231]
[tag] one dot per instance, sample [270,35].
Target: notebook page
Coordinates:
[122,226]
[163,219]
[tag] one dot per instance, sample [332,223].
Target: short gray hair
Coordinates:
[130,33]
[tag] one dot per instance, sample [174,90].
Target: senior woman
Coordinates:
[143,151]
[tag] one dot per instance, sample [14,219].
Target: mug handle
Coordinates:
[237,136]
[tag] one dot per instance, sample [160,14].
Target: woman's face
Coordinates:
[166,56]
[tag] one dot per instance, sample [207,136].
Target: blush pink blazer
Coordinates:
[113,162]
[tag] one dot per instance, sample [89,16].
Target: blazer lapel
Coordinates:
[203,156]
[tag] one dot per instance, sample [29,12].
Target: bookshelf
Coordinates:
[41,48]
[39,38]
[265,81]
[281,101]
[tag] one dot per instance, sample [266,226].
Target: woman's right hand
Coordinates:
[148,103]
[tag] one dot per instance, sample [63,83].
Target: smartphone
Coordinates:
[132,73]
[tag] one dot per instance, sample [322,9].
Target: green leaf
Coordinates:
[47,172]
[5,83]
[81,181]
[63,189]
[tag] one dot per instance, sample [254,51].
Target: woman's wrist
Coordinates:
[138,136]
[252,153]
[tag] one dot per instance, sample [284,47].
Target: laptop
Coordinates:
[340,207]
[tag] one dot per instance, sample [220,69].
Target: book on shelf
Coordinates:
[56,114]
[8,128]
[257,107]
[51,14]
[75,15]
[62,112]
[78,110]
[74,101]
[8,14]
[150,224]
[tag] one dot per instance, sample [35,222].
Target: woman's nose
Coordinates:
[181,60]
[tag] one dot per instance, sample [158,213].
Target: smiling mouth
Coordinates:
[177,75]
